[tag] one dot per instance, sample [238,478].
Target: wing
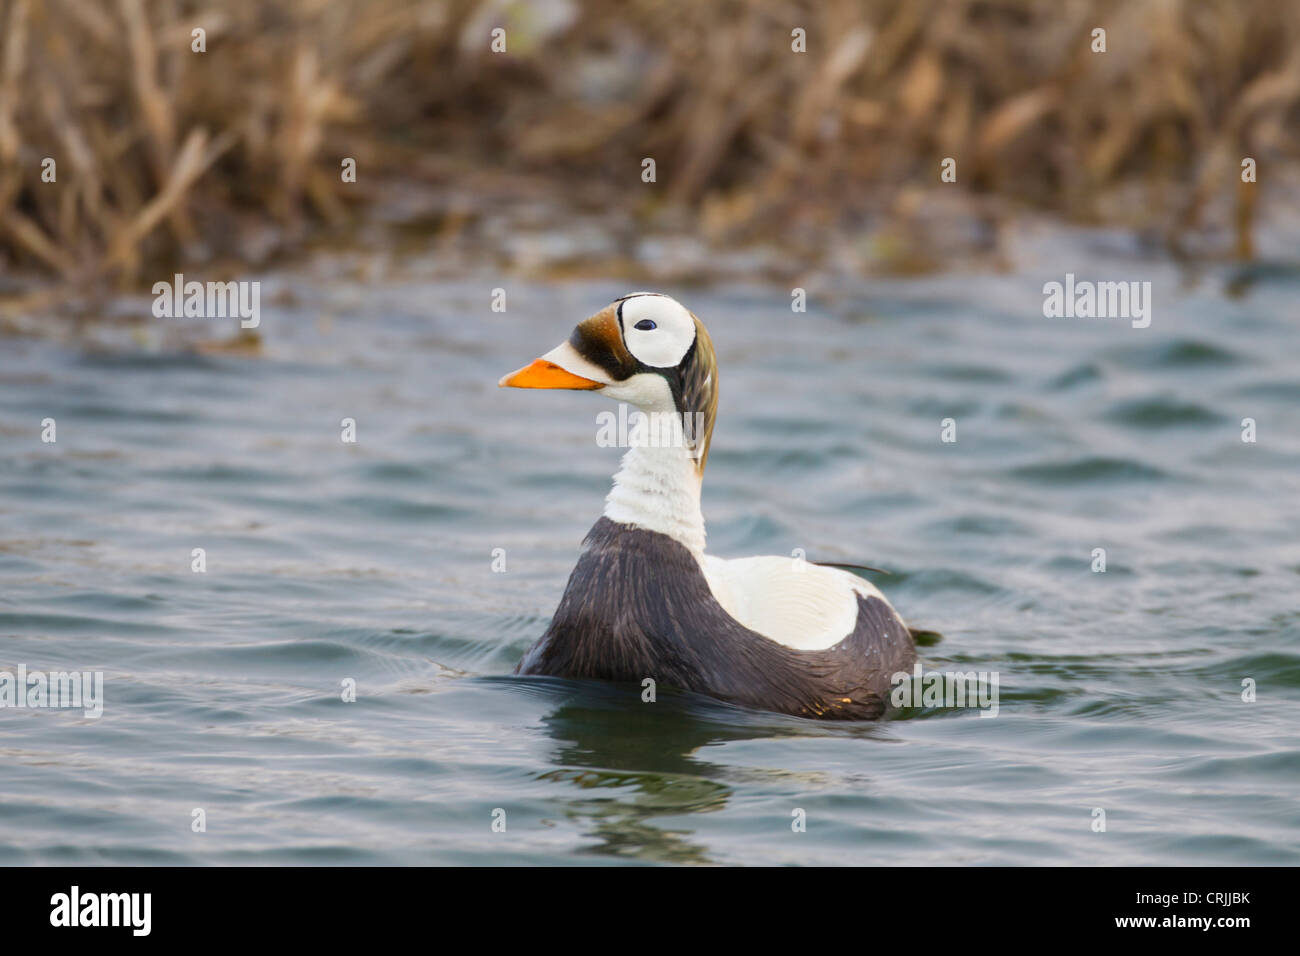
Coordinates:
[802,605]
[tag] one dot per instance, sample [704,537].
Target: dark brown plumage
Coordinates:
[638,605]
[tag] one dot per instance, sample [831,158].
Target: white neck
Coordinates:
[658,489]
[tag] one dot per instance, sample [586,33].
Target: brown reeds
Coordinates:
[165,155]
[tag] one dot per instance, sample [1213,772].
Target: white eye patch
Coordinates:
[657,329]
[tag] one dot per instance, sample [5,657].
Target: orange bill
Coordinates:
[544,374]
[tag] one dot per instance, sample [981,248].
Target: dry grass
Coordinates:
[168,156]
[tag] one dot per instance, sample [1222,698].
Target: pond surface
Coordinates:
[1119,691]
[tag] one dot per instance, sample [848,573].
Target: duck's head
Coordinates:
[645,349]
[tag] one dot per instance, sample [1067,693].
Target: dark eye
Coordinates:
[645,325]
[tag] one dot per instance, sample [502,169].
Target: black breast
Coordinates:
[638,605]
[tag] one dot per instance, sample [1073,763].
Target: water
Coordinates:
[326,561]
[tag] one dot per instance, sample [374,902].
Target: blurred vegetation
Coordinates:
[168,156]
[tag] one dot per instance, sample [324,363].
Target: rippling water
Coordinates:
[325,561]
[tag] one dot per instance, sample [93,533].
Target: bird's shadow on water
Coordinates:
[634,762]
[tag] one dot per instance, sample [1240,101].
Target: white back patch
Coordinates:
[798,604]
[668,333]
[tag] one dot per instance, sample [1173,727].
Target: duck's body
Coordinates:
[638,605]
[645,601]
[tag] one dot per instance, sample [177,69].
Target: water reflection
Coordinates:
[638,763]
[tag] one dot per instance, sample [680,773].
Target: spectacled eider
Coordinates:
[645,600]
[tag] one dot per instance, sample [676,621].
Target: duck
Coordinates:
[645,601]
